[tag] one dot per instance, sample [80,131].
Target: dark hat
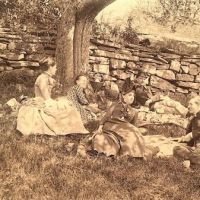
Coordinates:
[128,86]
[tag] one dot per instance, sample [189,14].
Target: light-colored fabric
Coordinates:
[165,145]
[58,118]
[166,105]
[44,80]
[150,117]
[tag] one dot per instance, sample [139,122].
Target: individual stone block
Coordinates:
[104,48]
[161,83]
[143,54]
[181,90]
[163,66]
[99,60]
[50,47]
[120,74]
[117,64]
[197,63]
[103,69]
[170,56]
[185,77]
[193,69]
[12,45]
[8,68]
[191,60]
[149,68]
[1,68]
[105,43]
[185,69]
[151,60]
[2,61]
[166,74]
[100,53]
[108,78]
[195,86]
[93,47]
[10,36]
[185,63]
[197,79]
[131,65]
[12,56]
[125,52]
[17,64]
[3,46]
[195,56]
[175,65]
[34,57]
[34,48]
[50,52]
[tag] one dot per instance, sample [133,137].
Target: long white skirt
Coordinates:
[59,118]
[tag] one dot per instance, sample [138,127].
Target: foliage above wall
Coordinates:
[33,14]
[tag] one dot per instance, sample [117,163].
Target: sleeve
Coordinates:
[81,96]
[189,127]
[108,114]
[196,129]
[132,116]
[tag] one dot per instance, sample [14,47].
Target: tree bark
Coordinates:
[72,51]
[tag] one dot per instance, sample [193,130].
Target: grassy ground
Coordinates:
[42,168]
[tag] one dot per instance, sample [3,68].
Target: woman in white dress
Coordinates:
[44,115]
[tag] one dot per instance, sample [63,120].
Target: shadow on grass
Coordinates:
[41,167]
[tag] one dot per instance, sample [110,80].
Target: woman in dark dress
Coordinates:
[117,134]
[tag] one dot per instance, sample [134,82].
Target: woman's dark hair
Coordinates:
[47,62]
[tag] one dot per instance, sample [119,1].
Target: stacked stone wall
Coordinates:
[168,70]
[24,50]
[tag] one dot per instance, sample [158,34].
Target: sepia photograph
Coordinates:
[99,99]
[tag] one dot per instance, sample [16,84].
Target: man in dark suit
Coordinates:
[192,151]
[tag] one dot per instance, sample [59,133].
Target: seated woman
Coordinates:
[76,94]
[42,114]
[117,134]
[140,85]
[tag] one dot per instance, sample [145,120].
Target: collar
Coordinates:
[47,73]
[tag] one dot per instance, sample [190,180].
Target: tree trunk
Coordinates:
[73,40]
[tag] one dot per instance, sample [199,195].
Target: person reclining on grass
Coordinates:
[191,152]
[163,104]
[44,115]
[117,134]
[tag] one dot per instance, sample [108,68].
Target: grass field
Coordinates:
[42,168]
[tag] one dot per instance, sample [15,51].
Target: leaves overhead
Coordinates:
[176,12]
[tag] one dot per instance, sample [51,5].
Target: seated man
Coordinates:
[192,154]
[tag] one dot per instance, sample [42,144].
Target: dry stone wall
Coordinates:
[23,51]
[167,70]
